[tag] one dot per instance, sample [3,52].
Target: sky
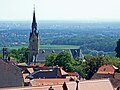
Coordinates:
[60,9]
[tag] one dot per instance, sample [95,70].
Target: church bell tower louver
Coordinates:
[34,41]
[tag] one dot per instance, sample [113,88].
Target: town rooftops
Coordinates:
[103,84]
[55,72]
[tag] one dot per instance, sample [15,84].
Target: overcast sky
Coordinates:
[60,9]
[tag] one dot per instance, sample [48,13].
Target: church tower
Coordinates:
[34,41]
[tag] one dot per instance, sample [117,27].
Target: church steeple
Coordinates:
[34,24]
[34,41]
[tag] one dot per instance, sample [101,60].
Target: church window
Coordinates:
[43,51]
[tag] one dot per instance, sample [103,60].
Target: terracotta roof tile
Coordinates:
[44,82]
[22,64]
[105,69]
[30,70]
[63,72]
[24,78]
[73,74]
[103,84]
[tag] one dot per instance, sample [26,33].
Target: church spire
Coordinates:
[34,24]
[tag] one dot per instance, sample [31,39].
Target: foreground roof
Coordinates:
[10,75]
[103,84]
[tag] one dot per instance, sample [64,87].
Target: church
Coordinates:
[36,54]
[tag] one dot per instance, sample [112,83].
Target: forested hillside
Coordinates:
[93,38]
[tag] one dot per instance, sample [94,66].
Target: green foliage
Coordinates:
[64,59]
[92,65]
[50,59]
[105,44]
[21,55]
[1,55]
[86,68]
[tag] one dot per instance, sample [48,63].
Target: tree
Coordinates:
[20,55]
[79,66]
[1,55]
[65,60]
[92,65]
[50,59]
[117,49]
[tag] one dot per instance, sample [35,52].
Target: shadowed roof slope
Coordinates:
[10,75]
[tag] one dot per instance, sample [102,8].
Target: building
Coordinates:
[34,41]
[105,71]
[10,75]
[108,71]
[54,72]
[103,84]
[38,55]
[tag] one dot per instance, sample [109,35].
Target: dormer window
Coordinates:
[53,51]
[75,51]
[43,51]
[104,69]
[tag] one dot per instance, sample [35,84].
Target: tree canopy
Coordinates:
[65,60]
[86,68]
[20,55]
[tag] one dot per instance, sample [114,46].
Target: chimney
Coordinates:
[77,81]
[64,86]
[5,53]
[56,69]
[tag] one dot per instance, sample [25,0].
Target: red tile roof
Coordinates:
[25,79]
[48,82]
[22,64]
[62,72]
[30,70]
[73,74]
[105,69]
[103,84]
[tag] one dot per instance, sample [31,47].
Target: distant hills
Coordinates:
[91,37]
